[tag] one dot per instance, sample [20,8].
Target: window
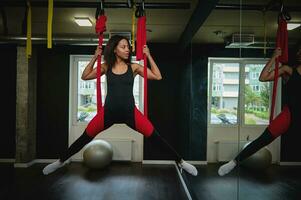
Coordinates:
[224,96]
[237,75]
[216,87]
[255,88]
[256,96]
[216,75]
[86,91]
[255,75]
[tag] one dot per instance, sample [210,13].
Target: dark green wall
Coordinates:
[53,98]
[185,102]
[8,58]
[164,99]
[193,117]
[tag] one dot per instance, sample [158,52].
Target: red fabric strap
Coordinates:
[281,123]
[99,29]
[141,41]
[141,37]
[281,42]
[100,26]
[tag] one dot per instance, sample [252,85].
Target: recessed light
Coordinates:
[83,21]
[291,26]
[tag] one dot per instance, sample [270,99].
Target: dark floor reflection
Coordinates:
[276,183]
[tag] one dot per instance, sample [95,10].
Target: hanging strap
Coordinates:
[281,42]
[265,34]
[28,32]
[133,28]
[141,41]
[100,28]
[49,28]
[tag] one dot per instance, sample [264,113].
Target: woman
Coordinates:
[291,112]
[119,105]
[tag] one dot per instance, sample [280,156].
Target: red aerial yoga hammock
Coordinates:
[100,28]
[281,42]
[141,41]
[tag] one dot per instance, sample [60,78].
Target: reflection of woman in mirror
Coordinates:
[119,105]
[291,112]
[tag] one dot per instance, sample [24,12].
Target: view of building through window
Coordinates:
[225,87]
[256,96]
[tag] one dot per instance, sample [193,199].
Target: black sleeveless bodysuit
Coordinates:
[120,103]
[293,95]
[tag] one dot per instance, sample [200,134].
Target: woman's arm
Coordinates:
[90,73]
[153,73]
[267,73]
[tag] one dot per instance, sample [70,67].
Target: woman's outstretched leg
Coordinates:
[263,140]
[162,144]
[73,149]
[144,126]
[95,126]
[277,127]
[159,142]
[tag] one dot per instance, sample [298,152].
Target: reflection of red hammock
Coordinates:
[281,42]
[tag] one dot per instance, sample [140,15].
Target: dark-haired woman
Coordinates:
[119,105]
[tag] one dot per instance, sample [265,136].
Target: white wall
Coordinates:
[220,134]
[117,131]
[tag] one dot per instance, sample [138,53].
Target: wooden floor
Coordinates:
[121,181]
[134,181]
[276,183]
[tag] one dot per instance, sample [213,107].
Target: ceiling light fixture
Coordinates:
[291,26]
[83,21]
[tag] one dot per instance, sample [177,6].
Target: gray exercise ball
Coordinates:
[260,160]
[98,154]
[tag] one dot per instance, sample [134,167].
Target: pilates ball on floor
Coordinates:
[98,154]
[260,160]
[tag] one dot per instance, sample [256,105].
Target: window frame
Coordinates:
[244,62]
[241,91]
[212,60]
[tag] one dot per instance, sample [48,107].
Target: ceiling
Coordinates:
[252,21]
[164,25]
